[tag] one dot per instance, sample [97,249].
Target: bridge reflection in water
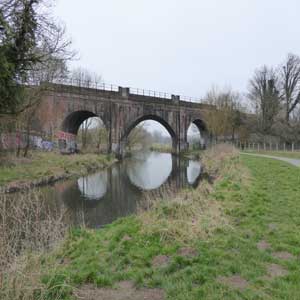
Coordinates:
[105,196]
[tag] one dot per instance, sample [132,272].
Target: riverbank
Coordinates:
[162,148]
[191,154]
[42,168]
[235,239]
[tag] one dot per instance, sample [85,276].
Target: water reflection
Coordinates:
[193,171]
[149,171]
[93,187]
[103,197]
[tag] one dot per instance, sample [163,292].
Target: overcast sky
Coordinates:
[181,46]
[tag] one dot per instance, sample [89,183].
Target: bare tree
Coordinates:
[224,116]
[264,94]
[84,128]
[92,135]
[290,84]
[85,78]
[139,136]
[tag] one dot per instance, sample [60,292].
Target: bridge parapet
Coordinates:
[113,92]
[104,87]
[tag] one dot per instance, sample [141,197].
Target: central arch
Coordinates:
[156,118]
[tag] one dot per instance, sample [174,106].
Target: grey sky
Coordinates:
[181,46]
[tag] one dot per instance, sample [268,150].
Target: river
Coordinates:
[102,197]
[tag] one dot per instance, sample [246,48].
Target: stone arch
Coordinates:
[203,130]
[73,121]
[156,118]
[69,129]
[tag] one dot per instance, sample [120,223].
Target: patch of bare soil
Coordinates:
[65,261]
[275,271]
[125,291]
[235,282]
[126,238]
[263,245]
[272,226]
[187,252]
[160,261]
[283,255]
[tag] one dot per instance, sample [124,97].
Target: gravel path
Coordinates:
[292,161]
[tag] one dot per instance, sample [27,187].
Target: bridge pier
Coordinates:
[118,149]
[182,146]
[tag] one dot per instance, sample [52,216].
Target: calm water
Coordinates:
[102,197]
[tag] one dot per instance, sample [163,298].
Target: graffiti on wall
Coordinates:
[66,142]
[38,143]
[47,146]
[11,141]
[66,136]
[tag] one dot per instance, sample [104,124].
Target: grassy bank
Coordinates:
[191,153]
[236,239]
[162,148]
[43,167]
[287,154]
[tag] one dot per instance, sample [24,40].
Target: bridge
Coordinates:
[63,108]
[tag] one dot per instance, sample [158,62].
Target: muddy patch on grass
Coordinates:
[263,245]
[124,291]
[187,252]
[235,282]
[65,261]
[275,271]
[272,227]
[126,238]
[160,261]
[284,255]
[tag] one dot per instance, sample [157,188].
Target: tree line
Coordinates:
[270,110]
[275,96]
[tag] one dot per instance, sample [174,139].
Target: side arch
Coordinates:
[69,129]
[73,121]
[203,130]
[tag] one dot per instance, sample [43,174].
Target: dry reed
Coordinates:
[29,226]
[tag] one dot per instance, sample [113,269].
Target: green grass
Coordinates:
[43,165]
[277,153]
[269,194]
[162,148]
[193,153]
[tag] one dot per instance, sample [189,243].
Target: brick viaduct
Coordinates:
[63,108]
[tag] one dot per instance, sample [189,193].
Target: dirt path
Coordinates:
[292,161]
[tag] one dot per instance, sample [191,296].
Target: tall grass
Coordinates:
[29,227]
[188,215]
